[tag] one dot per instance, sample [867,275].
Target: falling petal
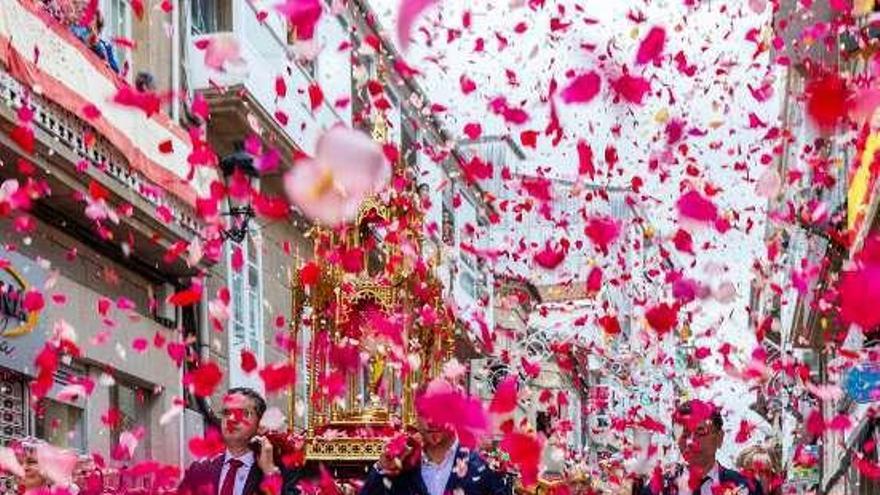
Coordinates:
[582,88]
[651,47]
[407,14]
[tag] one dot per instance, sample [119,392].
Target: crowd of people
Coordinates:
[429,461]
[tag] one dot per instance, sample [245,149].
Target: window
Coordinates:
[13,408]
[210,16]
[13,418]
[133,405]
[468,283]
[61,425]
[59,421]
[246,324]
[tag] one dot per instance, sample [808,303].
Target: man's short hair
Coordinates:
[697,406]
[259,401]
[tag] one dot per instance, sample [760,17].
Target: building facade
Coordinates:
[93,205]
[123,235]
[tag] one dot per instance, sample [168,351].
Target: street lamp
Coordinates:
[237,166]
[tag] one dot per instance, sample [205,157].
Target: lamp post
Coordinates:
[239,164]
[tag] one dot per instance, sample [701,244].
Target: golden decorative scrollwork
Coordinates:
[382,294]
[345,449]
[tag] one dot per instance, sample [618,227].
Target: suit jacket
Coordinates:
[728,477]
[470,474]
[203,478]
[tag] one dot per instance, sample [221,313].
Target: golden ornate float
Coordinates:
[361,381]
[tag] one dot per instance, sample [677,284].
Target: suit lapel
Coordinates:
[461,455]
[252,483]
[215,469]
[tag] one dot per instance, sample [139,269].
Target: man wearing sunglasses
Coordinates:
[700,432]
[248,467]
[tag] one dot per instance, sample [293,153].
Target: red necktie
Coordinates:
[228,487]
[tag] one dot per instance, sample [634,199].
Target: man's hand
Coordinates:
[266,456]
[399,456]
[389,465]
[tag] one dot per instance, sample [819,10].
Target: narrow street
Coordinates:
[392,247]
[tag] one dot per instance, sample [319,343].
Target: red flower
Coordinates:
[610,325]
[602,231]
[550,258]
[204,379]
[827,100]
[248,361]
[662,317]
[505,397]
[525,453]
[208,446]
[631,88]
[695,207]
[309,274]
[276,376]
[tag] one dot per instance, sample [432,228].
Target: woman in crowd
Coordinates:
[88,478]
[33,479]
[762,464]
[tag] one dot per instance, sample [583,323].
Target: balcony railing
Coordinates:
[48,68]
[68,130]
[264,48]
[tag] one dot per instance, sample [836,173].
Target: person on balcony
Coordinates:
[92,36]
[249,460]
[433,463]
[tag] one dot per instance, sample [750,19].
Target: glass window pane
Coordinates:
[132,403]
[204,16]
[61,425]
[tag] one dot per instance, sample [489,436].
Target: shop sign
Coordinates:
[862,383]
[21,332]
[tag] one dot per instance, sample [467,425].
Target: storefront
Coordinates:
[21,336]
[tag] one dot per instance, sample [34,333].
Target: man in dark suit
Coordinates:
[700,435]
[248,466]
[433,463]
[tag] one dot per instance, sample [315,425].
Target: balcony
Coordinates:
[40,54]
[120,147]
[246,89]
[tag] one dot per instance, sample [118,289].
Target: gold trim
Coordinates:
[345,449]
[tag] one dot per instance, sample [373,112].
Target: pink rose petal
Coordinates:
[651,47]
[582,89]
[407,13]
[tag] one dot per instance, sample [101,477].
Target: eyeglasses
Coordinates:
[700,431]
[237,413]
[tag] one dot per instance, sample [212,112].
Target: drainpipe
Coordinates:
[181,440]
[175,59]
[204,345]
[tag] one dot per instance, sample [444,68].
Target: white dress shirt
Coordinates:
[247,461]
[436,476]
[712,479]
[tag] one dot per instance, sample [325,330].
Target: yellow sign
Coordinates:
[12,306]
[859,194]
